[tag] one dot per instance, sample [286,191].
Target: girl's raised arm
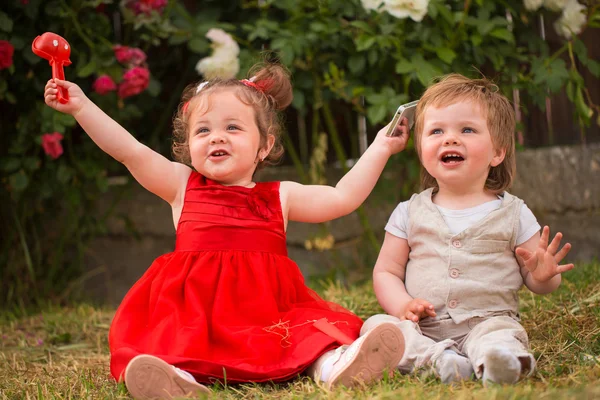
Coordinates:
[318,203]
[154,172]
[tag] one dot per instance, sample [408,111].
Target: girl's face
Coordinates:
[224,139]
[456,146]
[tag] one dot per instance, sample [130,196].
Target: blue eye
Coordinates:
[232,127]
[436,132]
[468,130]
[202,130]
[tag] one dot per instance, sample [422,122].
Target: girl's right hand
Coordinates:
[77,98]
[417,309]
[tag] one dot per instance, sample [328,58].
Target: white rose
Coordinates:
[555,5]
[572,20]
[371,4]
[533,5]
[415,9]
[223,62]
[222,40]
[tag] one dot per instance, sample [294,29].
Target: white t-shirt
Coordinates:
[459,220]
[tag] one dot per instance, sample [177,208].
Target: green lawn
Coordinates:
[63,353]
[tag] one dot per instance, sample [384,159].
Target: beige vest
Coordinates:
[471,274]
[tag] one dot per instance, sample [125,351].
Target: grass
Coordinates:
[62,353]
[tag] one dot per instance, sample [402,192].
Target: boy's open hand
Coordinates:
[417,309]
[395,143]
[543,263]
[76,96]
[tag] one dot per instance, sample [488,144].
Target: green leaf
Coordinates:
[581,51]
[403,66]
[357,63]
[6,24]
[445,54]
[88,69]
[19,181]
[362,25]
[376,113]
[582,108]
[10,164]
[175,40]
[64,174]
[425,70]
[198,46]
[373,56]
[154,87]
[365,42]
[594,68]
[504,34]
[18,42]
[445,12]
[299,100]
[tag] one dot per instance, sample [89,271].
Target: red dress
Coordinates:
[228,303]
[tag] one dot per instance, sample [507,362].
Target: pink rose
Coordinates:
[51,144]
[134,82]
[104,84]
[129,55]
[6,54]
[146,6]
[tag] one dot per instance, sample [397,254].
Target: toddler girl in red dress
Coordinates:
[228,304]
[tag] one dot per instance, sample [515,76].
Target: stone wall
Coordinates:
[561,185]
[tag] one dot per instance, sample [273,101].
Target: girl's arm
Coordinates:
[388,281]
[318,203]
[154,172]
[540,262]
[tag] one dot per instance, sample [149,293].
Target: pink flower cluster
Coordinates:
[6,54]
[104,84]
[131,56]
[135,79]
[51,144]
[146,6]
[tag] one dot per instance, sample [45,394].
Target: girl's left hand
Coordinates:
[397,143]
[543,263]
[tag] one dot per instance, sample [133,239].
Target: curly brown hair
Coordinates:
[498,111]
[271,93]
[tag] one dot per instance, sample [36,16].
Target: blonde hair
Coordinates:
[498,111]
[269,92]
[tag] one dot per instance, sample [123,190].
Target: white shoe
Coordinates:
[500,366]
[365,360]
[452,367]
[148,377]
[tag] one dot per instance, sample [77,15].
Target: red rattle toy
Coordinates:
[56,50]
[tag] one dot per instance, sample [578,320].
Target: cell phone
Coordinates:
[404,111]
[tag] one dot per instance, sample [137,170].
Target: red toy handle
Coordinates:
[59,73]
[56,50]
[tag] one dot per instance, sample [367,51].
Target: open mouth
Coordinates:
[219,153]
[452,158]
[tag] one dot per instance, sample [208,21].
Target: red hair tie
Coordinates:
[262,86]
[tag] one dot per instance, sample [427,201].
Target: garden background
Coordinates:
[74,227]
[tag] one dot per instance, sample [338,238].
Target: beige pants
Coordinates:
[426,341]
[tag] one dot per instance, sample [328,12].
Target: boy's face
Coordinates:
[456,146]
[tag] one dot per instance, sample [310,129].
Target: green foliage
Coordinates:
[345,62]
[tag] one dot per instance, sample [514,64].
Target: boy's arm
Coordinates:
[319,203]
[153,171]
[388,282]
[539,261]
